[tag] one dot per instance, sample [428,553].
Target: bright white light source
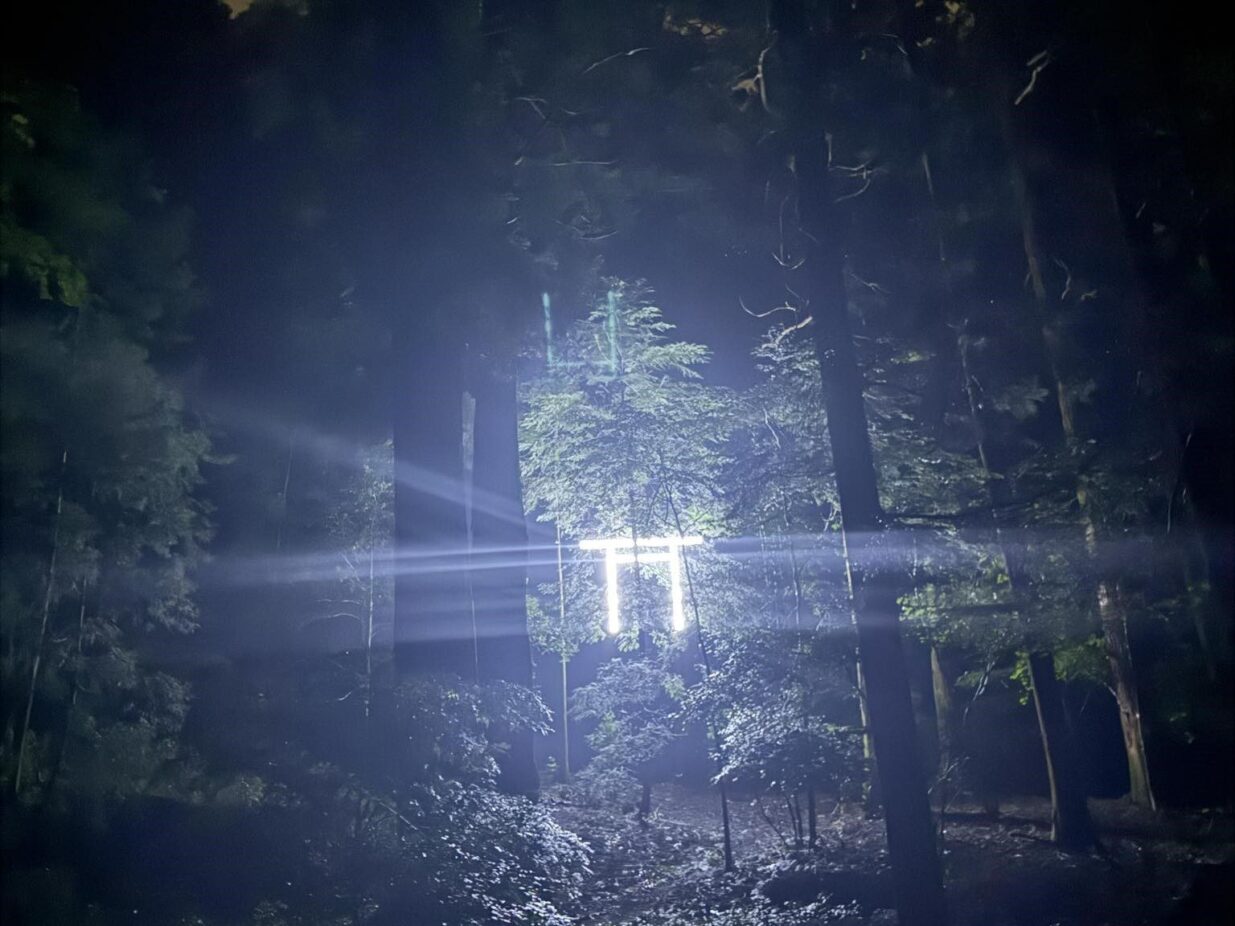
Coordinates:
[621,550]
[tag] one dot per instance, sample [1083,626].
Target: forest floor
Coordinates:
[1172,868]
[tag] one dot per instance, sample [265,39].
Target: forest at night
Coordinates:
[617,463]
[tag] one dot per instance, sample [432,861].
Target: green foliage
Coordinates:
[364,521]
[361,529]
[780,484]
[759,911]
[562,619]
[1084,661]
[787,709]
[622,436]
[621,428]
[635,704]
[101,465]
[423,835]
[449,728]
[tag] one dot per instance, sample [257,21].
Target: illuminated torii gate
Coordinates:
[619,551]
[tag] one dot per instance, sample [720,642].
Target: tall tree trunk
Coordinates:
[499,561]
[807,49]
[911,835]
[1119,655]
[948,781]
[870,784]
[431,604]
[1111,605]
[992,462]
[1196,593]
[561,604]
[945,718]
[922,693]
[565,723]
[1071,825]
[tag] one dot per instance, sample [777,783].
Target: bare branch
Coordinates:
[785,331]
[574,163]
[1038,62]
[786,263]
[873,287]
[780,308]
[854,195]
[803,302]
[329,617]
[534,102]
[1067,283]
[858,170]
[767,420]
[621,54]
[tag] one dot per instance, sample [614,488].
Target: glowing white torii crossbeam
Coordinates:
[622,550]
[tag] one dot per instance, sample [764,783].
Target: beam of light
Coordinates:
[622,550]
[329,448]
[1126,555]
[622,543]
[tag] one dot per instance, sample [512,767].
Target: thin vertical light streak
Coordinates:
[675,589]
[611,575]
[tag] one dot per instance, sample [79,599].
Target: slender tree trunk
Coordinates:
[1105,232]
[945,718]
[922,691]
[1188,562]
[561,603]
[57,764]
[812,817]
[870,785]
[287,481]
[725,826]
[645,801]
[945,735]
[42,641]
[713,726]
[795,817]
[1055,750]
[565,724]
[1119,655]
[368,640]
[794,573]
[468,438]
[1194,594]
[1071,825]
[1112,612]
